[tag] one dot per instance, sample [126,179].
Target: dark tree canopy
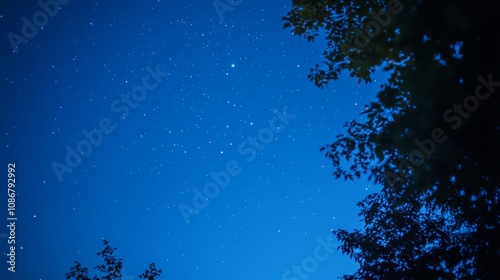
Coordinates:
[111,269]
[406,240]
[431,138]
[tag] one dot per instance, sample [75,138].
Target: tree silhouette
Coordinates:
[111,269]
[408,240]
[431,138]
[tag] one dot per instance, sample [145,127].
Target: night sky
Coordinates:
[185,136]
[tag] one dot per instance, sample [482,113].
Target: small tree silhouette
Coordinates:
[151,273]
[111,269]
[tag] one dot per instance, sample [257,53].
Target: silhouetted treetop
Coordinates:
[111,269]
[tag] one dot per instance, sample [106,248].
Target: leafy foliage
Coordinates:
[431,138]
[409,239]
[111,269]
[151,273]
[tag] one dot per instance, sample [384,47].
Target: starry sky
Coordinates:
[184,132]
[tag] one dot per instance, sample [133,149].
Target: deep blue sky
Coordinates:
[226,76]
